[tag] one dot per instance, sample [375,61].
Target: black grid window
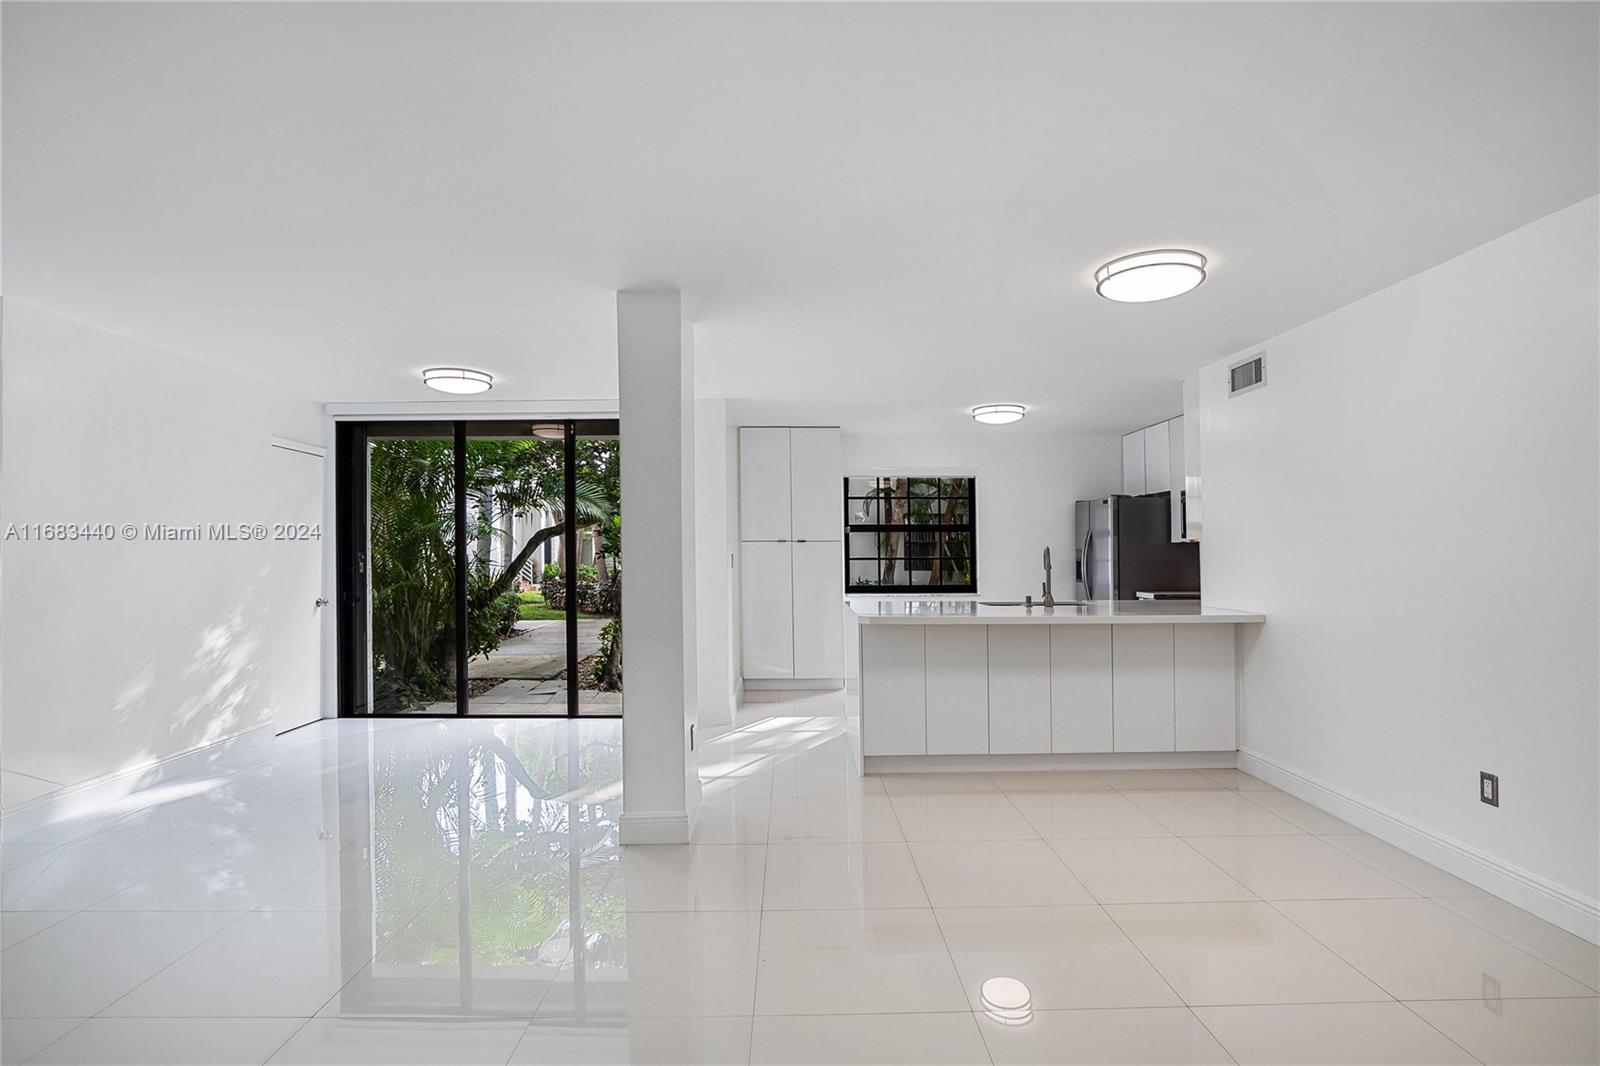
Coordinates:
[911,534]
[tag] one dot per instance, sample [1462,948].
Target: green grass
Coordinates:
[533,609]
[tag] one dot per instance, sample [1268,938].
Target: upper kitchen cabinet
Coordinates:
[764,508]
[1152,458]
[816,462]
[1133,463]
[789,483]
[1176,442]
[1157,458]
[1186,524]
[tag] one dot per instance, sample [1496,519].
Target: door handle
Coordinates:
[322,601]
[1083,564]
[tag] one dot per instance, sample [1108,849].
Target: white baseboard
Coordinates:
[655,827]
[1561,906]
[86,797]
[780,684]
[1146,760]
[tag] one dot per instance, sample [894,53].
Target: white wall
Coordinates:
[117,654]
[712,573]
[731,534]
[1411,500]
[1027,484]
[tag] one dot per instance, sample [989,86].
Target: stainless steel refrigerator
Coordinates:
[1125,547]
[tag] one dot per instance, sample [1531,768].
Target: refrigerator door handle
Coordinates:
[1084,569]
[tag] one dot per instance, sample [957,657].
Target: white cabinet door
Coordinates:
[1157,471]
[816,484]
[958,689]
[766,608]
[1080,688]
[1133,463]
[1191,458]
[764,483]
[1203,687]
[1141,687]
[818,569]
[1019,689]
[894,703]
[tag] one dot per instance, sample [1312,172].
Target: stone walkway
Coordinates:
[529,663]
[538,651]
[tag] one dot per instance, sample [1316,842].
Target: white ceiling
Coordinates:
[884,214]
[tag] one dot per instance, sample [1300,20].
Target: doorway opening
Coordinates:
[480,568]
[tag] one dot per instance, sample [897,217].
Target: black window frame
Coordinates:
[353,664]
[969,527]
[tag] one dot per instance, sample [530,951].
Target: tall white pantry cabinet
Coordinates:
[791,549]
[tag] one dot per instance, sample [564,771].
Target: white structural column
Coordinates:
[655,374]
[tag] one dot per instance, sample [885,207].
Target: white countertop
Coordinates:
[872,610]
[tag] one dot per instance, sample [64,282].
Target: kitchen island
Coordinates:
[942,684]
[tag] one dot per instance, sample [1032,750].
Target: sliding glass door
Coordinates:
[596,639]
[480,568]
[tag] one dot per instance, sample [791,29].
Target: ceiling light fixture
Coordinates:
[550,431]
[998,414]
[457,380]
[1144,277]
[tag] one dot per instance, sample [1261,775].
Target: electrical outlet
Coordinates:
[1491,995]
[1489,788]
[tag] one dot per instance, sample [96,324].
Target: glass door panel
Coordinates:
[516,561]
[411,588]
[597,498]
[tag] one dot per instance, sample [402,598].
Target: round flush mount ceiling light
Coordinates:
[550,431]
[457,380]
[1144,277]
[998,414]
[1006,1000]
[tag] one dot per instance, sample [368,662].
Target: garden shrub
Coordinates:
[608,663]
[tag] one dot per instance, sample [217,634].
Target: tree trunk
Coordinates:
[613,679]
[486,524]
[444,655]
[610,677]
[561,546]
[891,517]
[508,576]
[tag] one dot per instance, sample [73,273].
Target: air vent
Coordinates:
[1250,374]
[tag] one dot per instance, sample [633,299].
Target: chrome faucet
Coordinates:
[1049,596]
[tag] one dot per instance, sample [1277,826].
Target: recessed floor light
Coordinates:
[1144,277]
[1006,1000]
[998,414]
[457,380]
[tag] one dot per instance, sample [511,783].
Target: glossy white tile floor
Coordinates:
[453,892]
